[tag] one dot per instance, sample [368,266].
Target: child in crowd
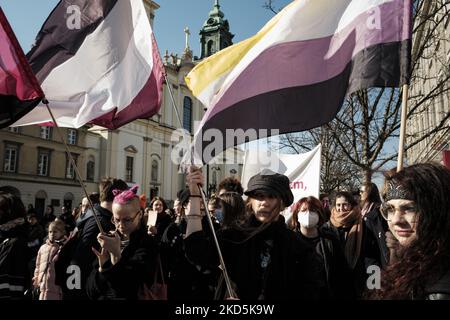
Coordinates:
[44,273]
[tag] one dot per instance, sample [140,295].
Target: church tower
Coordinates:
[215,34]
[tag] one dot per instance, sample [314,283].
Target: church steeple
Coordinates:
[215,34]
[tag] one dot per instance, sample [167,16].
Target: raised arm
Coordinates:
[193,213]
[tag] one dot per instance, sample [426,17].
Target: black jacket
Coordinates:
[369,255]
[135,268]
[274,264]
[78,252]
[377,226]
[337,275]
[439,290]
[14,257]
[184,280]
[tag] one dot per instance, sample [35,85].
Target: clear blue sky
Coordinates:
[246,17]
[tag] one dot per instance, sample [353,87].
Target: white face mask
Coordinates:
[308,219]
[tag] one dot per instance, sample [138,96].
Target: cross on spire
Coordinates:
[187,33]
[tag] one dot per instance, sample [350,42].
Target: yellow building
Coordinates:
[35,162]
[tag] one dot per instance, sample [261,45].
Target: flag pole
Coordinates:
[231,292]
[61,136]
[173,101]
[202,192]
[402,127]
[401,142]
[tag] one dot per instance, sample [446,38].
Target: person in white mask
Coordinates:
[307,219]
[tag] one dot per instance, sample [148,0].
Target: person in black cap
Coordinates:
[264,259]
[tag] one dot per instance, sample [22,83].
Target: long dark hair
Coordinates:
[427,258]
[233,209]
[347,196]
[11,207]
[162,201]
[373,195]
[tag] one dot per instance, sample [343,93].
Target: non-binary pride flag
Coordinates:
[97,62]
[294,74]
[19,89]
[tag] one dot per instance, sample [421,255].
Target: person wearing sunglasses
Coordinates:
[417,209]
[127,256]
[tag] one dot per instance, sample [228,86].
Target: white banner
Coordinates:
[303,170]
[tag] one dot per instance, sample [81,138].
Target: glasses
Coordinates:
[125,221]
[408,211]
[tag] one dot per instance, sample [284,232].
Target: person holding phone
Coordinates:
[127,255]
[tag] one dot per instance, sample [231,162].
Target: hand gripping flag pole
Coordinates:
[230,290]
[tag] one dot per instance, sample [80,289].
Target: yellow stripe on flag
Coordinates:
[225,60]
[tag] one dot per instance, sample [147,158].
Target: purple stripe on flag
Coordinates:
[301,108]
[145,104]
[302,63]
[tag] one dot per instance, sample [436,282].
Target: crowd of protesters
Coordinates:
[116,245]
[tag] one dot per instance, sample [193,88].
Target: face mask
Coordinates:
[308,219]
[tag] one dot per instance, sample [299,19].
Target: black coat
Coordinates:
[14,257]
[440,290]
[337,274]
[377,226]
[369,255]
[292,273]
[184,280]
[78,251]
[135,268]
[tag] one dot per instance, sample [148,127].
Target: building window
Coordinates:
[90,169]
[13,129]
[129,169]
[43,163]
[46,133]
[11,156]
[154,173]
[210,50]
[187,114]
[72,136]
[70,169]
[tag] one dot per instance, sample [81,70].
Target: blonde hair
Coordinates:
[59,225]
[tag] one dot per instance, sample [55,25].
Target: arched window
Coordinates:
[90,169]
[187,114]
[209,49]
[155,169]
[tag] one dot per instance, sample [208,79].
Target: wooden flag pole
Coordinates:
[402,127]
[401,143]
[61,136]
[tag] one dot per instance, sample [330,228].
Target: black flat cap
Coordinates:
[271,183]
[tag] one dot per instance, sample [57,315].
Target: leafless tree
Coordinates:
[365,131]
[269,5]
[336,172]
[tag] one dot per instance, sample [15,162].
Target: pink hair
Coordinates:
[125,196]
